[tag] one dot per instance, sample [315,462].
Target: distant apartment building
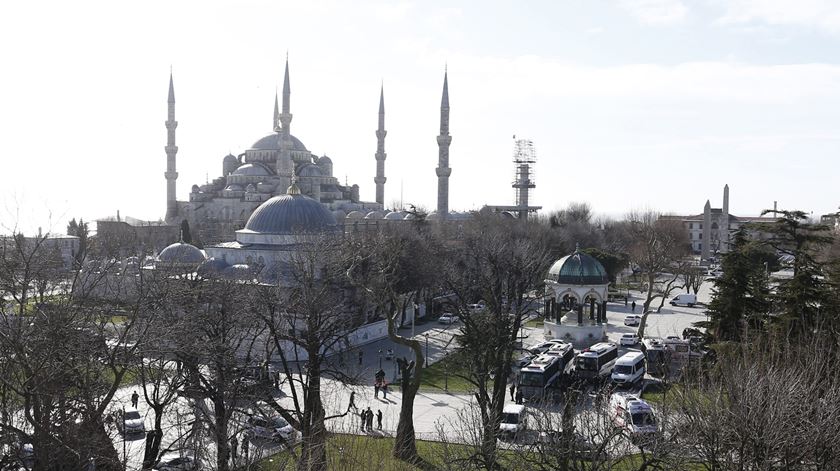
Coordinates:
[64,246]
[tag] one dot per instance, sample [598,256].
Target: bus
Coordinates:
[658,356]
[540,375]
[596,362]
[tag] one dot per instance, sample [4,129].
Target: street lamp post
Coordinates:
[427,348]
[380,358]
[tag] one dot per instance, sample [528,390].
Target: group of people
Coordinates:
[366,416]
[234,449]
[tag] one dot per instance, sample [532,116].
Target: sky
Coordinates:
[631,104]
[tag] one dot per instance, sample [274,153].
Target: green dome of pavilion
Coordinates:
[578,269]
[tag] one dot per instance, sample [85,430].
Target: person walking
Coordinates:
[363,419]
[361,357]
[633,306]
[512,390]
[384,389]
[379,419]
[369,423]
[352,401]
[519,397]
[376,389]
[134,399]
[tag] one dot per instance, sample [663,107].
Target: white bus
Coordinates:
[629,369]
[596,362]
[539,375]
[658,356]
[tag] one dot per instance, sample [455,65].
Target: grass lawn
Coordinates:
[535,323]
[352,452]
[435,376]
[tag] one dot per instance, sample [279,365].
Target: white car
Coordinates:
[514,420]
[629,340]
[175,462]
[447,318]
[633,414]
[130,421]
[633,320]
[273,428]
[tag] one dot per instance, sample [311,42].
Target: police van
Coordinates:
[596,362]
[632,414]
[629,369]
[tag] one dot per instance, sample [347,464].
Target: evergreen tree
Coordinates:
[802,299]
[80,230]
[741,294]
[186,237]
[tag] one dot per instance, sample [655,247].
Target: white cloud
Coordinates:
[656,12]
[822,15]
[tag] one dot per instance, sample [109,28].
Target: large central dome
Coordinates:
[290,214]
[272,142]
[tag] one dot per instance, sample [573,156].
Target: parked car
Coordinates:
[447,318]
[514,420]
[633,414]
[273,428]
[633,320]
[130,421]
[629,340]
[686,299]
[173,461]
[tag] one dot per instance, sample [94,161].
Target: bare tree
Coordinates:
[657,245]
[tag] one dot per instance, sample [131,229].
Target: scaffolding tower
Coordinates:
[524,158]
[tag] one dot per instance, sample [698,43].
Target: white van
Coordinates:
[629,369]
[687,299]
[514,420]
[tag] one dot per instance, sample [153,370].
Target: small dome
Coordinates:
[250,188]
[355,215]
[394,216]
[195,189]
[374,215]
[252,170]
[230,159]
[211,266]
[324,160]
[578,269]
[272,142]
[339,214]
[288,214]
[181,253]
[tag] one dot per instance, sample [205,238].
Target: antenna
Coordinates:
[401,193]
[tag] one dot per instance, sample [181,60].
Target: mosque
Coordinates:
[251,182]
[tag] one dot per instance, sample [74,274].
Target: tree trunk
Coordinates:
[405,447]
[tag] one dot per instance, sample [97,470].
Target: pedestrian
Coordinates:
[633,306]
[363,419]
[625,301]
[369,419]
[134,398]
[384,388]
[246,447]
[376,389]
[519,396]
[234,443]
[379,419]
[352,401]
[361,357]
[512,390]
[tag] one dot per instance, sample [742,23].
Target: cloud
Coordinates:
[821,15]
[656,12]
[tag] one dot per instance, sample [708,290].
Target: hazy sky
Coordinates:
[630,103]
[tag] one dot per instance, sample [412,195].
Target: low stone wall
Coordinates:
[581,336]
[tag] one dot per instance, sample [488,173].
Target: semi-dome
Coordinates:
[289,214]
[181,253]
[309,171]
[578,269]
[252,170]
[272,142]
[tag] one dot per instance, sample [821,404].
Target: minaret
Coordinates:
[171,149]
[380,150]
[276,123]
[285,166]
[707,231]
[444,139]
[724,223]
